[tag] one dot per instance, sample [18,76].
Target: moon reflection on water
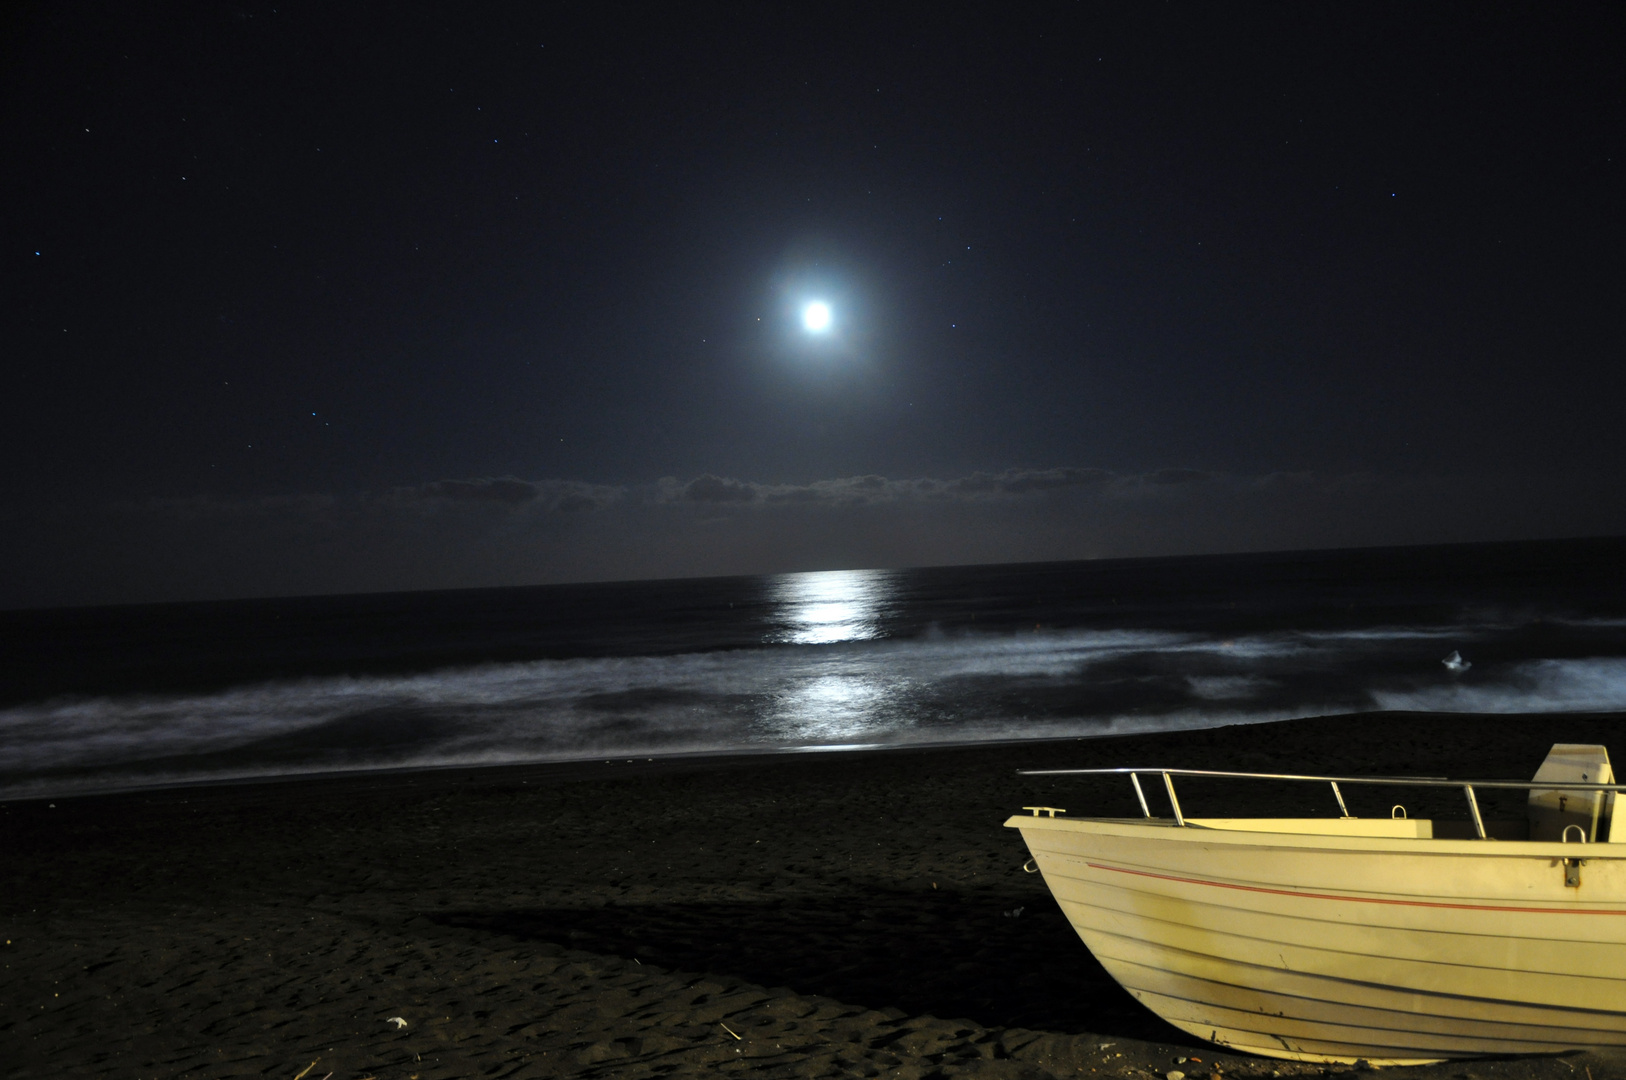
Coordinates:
[838,697]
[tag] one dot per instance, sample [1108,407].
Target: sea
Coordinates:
[115,698]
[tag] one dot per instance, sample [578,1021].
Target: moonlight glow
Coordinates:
[816,317]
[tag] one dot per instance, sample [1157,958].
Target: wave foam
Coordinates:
[934,689]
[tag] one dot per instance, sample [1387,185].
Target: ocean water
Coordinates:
[101,699]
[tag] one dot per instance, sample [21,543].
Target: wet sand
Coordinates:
[850,914]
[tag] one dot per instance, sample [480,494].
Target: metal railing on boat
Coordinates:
[1467,786]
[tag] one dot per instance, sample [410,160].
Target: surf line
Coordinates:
[1359,899]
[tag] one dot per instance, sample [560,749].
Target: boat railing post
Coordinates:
[1179,818]
[1339,795]
[1134,778]
[1473,808]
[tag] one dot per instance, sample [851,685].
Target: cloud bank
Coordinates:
[870,489]
[565,496]
[506,530]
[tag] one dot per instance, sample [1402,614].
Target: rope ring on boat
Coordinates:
[1031,866]
[1397,812]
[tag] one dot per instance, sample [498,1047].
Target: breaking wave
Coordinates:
[815,694]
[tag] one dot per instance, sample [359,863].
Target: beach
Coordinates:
[858,913]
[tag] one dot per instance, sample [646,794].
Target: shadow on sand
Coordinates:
[938,954]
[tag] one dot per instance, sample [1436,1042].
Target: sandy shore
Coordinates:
[853,914]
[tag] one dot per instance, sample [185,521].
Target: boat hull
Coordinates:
[1396,949]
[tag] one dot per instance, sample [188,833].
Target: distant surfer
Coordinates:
[1455,664]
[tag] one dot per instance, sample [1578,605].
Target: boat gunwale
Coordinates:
[1195,832]
[1384,781]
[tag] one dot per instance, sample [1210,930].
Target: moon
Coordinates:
[816,317]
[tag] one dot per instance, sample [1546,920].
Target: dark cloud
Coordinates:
[1026,481]
[714,489]
[1177,476]
[505,530]
[503,489]
[561,496]
[871,488]
[576,502]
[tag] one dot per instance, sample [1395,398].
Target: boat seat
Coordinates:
[1552,811]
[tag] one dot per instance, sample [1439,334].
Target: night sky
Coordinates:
[307,298]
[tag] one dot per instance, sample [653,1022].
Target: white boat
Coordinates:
[1343,939]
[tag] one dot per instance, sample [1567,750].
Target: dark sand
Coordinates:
[854,914]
